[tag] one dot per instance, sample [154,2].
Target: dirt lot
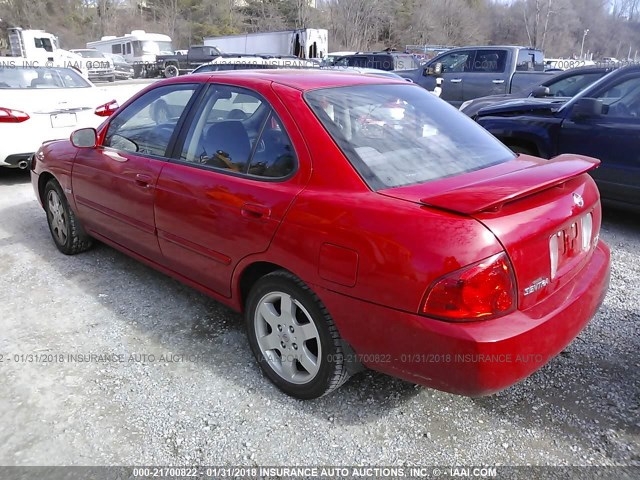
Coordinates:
[181,386]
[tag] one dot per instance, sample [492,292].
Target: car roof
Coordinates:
[300,79]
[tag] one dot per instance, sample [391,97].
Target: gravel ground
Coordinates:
[210,405]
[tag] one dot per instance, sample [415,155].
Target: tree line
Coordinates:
[560,27]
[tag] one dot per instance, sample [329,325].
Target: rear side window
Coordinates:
[529,61]
[490,61]
[397,135]
[405,62]
[236,131]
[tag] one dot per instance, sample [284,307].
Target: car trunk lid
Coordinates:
[541,212]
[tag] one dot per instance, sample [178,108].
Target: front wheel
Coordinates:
[171,71]
[66,231]
[294,338]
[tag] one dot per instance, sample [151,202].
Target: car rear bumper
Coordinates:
[475,358]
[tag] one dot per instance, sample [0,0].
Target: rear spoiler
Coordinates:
[494,192]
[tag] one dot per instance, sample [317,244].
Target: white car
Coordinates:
[98,65]
[39,104]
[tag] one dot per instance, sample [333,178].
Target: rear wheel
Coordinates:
[293,337]
[66,231]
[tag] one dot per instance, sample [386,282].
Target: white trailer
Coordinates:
[303,43]
[139,48]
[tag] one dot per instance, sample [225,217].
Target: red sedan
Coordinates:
[355,220]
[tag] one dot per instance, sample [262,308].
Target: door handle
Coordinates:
[115,155]
[456,80]
[143,180]
[498,82]
[251,210]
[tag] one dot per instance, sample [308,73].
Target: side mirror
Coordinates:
[433,70]
[84,138]
[587,108]
[541,92]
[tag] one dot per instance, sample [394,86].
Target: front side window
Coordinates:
[457,62]
[147,125]
[236,130]
[396,135]
[44,43]
[623,99]
[571,86]
[116,48]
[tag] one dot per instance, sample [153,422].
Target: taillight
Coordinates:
[107,109]
[7,115]
[480,291]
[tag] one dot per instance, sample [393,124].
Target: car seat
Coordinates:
[227,145]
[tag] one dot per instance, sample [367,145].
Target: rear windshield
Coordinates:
[397,135]
[40,77]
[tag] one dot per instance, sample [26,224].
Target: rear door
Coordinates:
[114,184]
[613,137]
[488,74]
[224,197]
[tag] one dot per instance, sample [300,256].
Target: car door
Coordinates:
[455,70]
[613,137]
[488,74]
[114,183]
[225,194]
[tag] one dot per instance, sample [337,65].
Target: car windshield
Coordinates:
[90,53]
[164,48]
[40,77]
[397,135]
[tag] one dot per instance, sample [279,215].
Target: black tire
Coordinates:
[331,363]
[112,78]
[68,235]
[171,71]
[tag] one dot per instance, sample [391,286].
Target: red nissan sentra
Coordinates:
[355,220]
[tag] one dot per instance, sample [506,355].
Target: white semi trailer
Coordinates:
[302,43]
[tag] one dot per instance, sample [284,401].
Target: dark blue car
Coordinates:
[603,121]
